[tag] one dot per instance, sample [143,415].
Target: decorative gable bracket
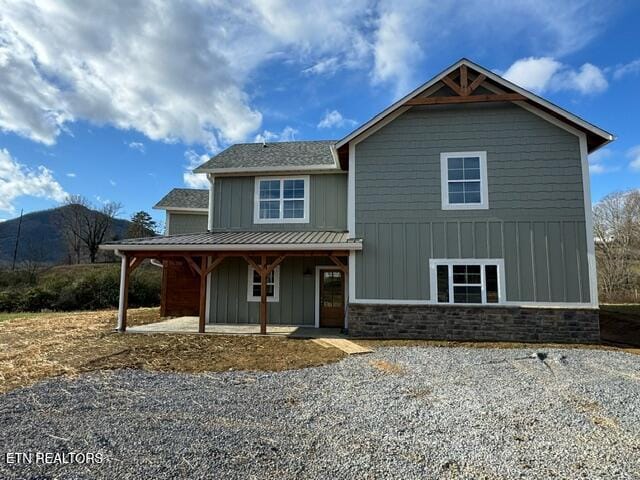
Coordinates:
[463,90]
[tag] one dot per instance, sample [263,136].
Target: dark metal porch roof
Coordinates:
[241,240]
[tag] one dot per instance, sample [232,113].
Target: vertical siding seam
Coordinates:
[379,262]
[518,259]
[459,239]
[420,260]
[564,262]
[546,251]
[488,240]
[473,243]
[431,239]
[533,261]
[577,233]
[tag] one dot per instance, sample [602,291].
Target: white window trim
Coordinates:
[433,275]
[276,287]
[256,201]
[444,182]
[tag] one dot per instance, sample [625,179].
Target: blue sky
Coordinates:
[123,111]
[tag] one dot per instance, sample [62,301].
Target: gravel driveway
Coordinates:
[396,413]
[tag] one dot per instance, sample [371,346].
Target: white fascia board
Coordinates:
[492,76]
[182,209]
[235,248]
[275,170]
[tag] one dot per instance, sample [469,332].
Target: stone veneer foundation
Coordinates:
[455,322]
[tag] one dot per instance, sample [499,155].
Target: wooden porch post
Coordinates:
[263,295]
[203,292]
[124,294]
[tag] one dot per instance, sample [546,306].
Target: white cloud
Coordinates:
[395,51]
[112,183]
[532,73]
[288,134]
[540,74]
[137,146]
[71,175]
[600,162]
[634,155]
[172,71]
[327,66]
[334,119]
[18,180]
[195,180]
[186,71]
[630,68]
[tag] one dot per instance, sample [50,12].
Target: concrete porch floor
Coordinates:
[190,325]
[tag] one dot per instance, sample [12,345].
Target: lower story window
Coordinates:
[254,285]
[467,281]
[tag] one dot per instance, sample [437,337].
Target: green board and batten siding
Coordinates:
[186,222]
[233,210]
[234,203]
[535,219]
[296,306]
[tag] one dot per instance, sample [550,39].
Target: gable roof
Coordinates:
[184,199]
[596,137]
[255,157]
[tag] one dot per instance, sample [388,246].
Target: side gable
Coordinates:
[467,82]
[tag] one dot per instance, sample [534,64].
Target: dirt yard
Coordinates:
[34,347]
[37,346]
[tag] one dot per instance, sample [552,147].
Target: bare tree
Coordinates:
[616,226]
[87,226]
[69,220]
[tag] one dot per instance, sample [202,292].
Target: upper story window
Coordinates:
[281,200]
[464,180]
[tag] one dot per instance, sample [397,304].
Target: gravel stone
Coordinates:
[420,412]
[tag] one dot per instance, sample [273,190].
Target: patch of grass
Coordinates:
[35,347]
[388,367]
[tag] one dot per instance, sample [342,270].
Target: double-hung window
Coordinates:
[464,180]
[254,286]
[467,281]
[281,200]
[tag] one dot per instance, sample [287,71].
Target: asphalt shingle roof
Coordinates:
[242,238]
[277,154]
[184,198]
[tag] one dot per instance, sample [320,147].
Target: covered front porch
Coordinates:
[189,324]
[203,256]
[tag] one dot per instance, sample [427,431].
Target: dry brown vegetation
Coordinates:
[34,347]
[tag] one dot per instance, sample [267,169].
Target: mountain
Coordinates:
[41,237]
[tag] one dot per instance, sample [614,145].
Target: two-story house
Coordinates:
[462,211]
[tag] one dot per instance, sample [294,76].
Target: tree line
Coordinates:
[616,225]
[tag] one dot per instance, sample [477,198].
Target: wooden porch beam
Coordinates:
[253,264]
[276,262]
[339,264]
[159,255]
[263,295]
[203,292]
[124,294]
[502,97]
[135,263]
[192,264]
[214,265]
